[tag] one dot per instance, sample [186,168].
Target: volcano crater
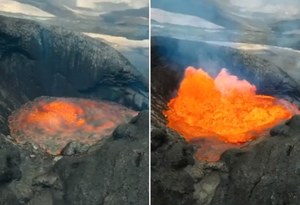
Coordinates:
[40,62]
[255,173]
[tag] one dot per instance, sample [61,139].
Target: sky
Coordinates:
[131,3]
[277,9]
[162,16]
[286,7]
[27,9]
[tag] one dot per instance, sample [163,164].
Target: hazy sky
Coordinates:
[291,7]
[131,3]
[162,16]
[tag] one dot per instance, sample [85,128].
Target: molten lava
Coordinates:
[53,122]
[224,108]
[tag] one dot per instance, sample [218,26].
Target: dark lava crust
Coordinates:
[265,172]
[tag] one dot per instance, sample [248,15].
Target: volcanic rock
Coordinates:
[265,174]
[8,197]
[113,172]
[170,155]
[116,173]
[262,173]
[135,128]
[9,162]
[294,123]
[280,130]
[74,148]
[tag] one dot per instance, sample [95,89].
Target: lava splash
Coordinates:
[225,108]
[53,122]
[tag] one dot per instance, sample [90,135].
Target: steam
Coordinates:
[227,83]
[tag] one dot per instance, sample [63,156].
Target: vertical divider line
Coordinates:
[149,70]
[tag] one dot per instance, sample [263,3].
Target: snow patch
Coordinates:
[84,12]
[118,41]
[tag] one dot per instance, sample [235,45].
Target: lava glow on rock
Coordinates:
[53,122]
[224,111]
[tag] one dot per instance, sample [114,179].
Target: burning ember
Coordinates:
[53,122]
[225,110]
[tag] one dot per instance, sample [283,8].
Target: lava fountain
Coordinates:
[53,122]
[223,112]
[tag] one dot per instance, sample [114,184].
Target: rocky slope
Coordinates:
[115,171]
[262,173]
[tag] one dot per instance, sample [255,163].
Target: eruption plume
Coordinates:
[225,110]
[53,122]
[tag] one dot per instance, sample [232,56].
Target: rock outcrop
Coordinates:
[114,171]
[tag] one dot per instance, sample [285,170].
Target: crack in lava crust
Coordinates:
[54,122]
[225,108]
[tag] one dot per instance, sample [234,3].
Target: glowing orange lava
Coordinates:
[53,122]
[57,114]
[225,108]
